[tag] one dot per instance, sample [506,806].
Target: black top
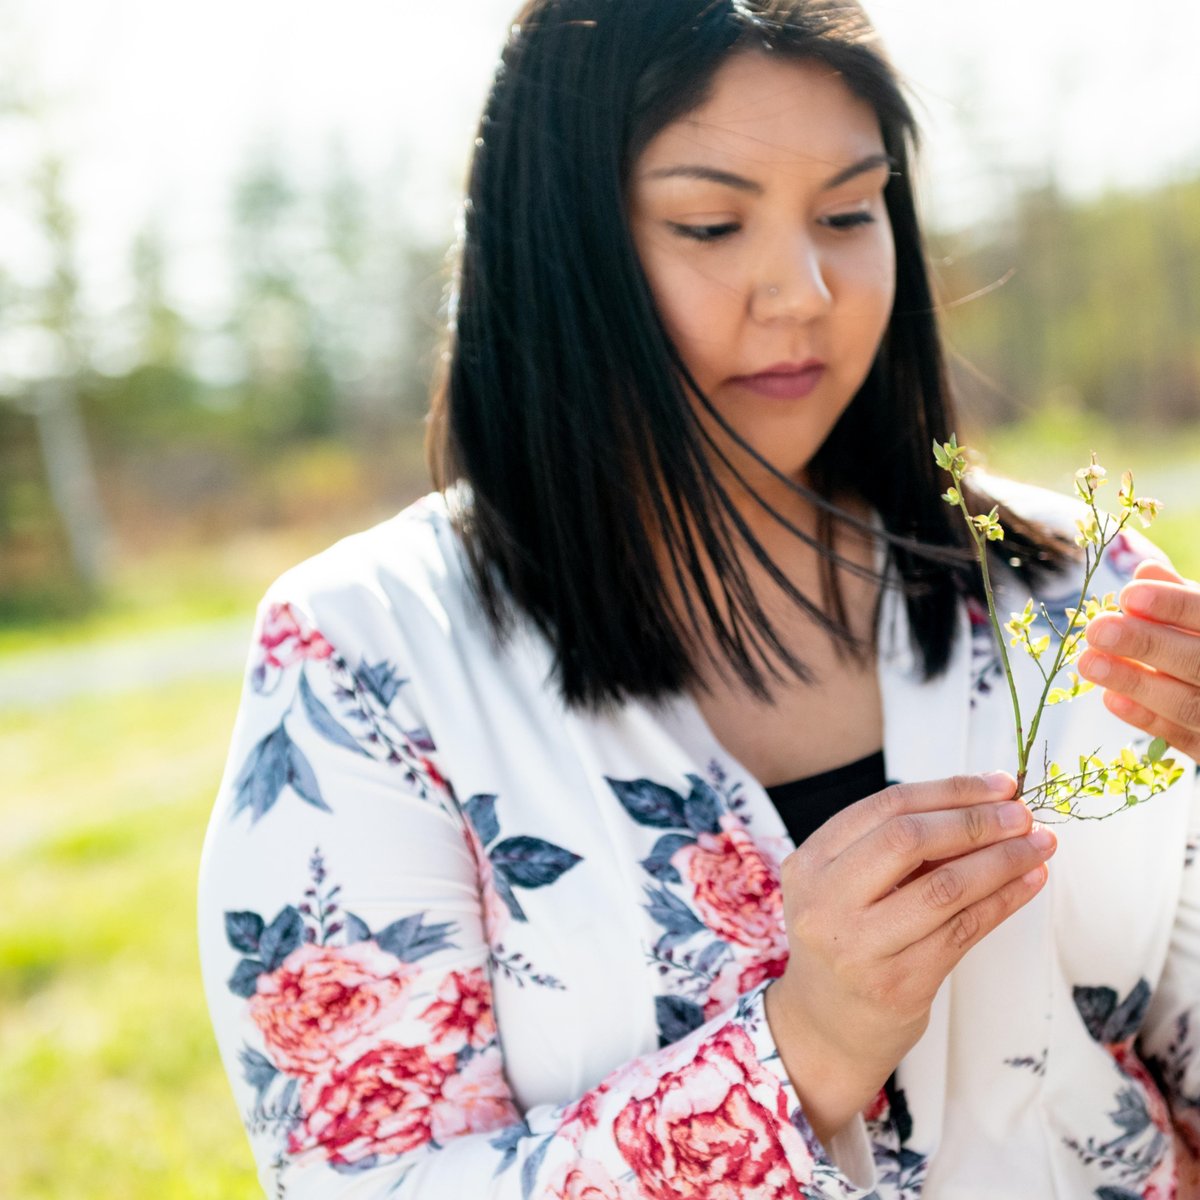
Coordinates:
[806,804]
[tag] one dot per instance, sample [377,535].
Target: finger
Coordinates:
[1175,604]
[1153,568]
[855,821]
[1163,647]
[936,955]
[1174,700]
[889,854]
[929,904]
[1187,741]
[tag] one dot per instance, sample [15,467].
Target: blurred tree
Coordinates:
[1099,310]
[54,398]
[289,389]
[162,330]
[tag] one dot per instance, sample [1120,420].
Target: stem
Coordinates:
[997,628]
[1079,608]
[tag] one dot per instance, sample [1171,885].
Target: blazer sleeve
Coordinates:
[343,902]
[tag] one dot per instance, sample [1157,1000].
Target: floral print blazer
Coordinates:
[460,942]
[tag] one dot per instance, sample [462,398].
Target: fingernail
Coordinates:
[1141,598]
[1042,838]
[1095,666]
[1034,877]
[999,782]
[1013,816]
[1104,635]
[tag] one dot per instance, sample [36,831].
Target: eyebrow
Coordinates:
[740,183]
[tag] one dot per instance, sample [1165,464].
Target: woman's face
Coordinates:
[760,223]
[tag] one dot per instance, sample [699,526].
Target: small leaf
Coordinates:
[304,782]
[263,776]
[410,940]
[481,812]
[702,808]
[1158,748]
[505,892]
[677,1017]
[650,803]
[281,937]
[244,980]
[357,930]
[530,862]
[324,722]
[380,680]
[659,861]
[243,929]
[257,1070]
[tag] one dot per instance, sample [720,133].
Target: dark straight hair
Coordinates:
[590,495]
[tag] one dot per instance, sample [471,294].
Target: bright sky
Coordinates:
[155,103]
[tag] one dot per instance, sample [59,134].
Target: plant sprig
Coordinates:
[1132,777]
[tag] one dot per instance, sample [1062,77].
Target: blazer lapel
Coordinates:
[925,737]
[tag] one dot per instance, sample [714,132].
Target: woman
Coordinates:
[556,855]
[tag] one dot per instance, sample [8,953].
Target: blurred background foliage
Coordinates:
[158,468]
[303,403]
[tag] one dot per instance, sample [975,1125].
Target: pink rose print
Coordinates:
[586,1179]
[284,639]
[715,1129]
[462,1013]
[735,887]
[736,978]
[475,1100]
[382,1103]
[583,1114]
[322,1001]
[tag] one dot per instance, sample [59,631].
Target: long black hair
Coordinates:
[591,496]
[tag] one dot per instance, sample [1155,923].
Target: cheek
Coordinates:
[867,282]
[697,307]
[700,313]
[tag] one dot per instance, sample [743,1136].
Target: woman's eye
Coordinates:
[850,220]
[705,233]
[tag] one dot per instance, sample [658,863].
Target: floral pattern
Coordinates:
[715,1127]
[364,1026]
[363,723]
[503,866]
[325,995]
[715,896]
[1171,1067]
[1139,1162]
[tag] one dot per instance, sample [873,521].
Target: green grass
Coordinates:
[169,590]
[1048,449]
[110,1082]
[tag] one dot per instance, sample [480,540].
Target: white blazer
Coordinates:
[460,942]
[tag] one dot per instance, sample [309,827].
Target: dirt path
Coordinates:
[32,681]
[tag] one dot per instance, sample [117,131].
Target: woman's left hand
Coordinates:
[1148,656]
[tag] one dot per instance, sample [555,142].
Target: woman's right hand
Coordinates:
[880,904]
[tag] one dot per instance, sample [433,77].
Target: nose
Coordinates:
[792,286]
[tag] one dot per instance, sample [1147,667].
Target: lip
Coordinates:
[784,381]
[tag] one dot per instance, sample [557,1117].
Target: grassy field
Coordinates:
[109,1079]
[1047,450]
